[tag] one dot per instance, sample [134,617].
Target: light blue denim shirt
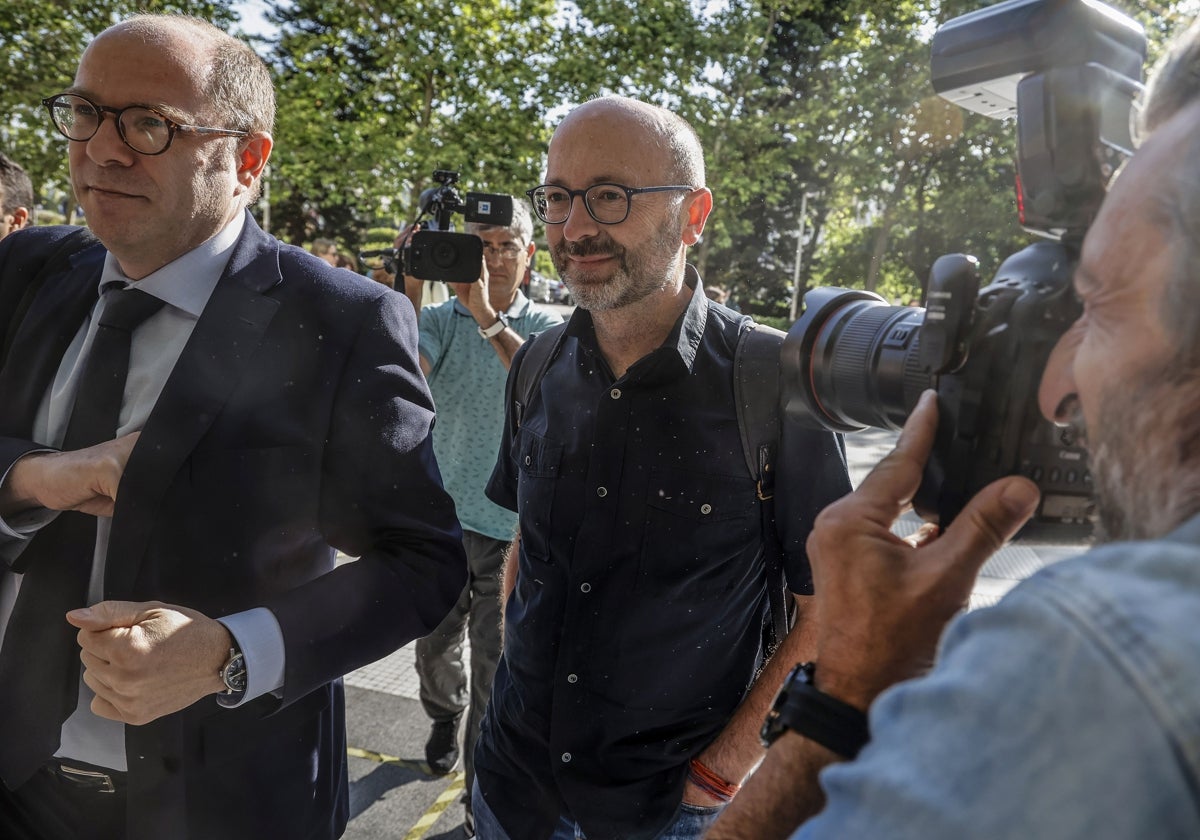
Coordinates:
[467,380]
[1071,709]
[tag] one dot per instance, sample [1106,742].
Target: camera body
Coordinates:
[437,253]
[1068,70]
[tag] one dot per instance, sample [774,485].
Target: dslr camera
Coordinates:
[435,252]
[1070,72]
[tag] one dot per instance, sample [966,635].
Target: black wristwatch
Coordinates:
[803,708]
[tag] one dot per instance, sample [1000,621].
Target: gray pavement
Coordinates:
[393,795]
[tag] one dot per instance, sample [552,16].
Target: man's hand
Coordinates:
[882,602]
[146,660]
[85,480]
[474,296]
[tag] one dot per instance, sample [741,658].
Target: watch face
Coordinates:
[234,673]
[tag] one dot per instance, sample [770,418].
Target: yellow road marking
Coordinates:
[380,758]
[450,795]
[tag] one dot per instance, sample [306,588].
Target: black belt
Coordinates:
[87,777]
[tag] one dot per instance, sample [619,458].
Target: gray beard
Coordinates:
[1146,463]
[639,275]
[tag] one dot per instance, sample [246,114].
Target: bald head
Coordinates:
[647,128]
[235,82]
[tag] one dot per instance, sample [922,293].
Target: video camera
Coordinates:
[435,252]
[1069,70]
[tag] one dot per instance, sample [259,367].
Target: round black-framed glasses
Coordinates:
[608,204]
[141,128]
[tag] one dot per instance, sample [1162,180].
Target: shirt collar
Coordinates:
[679,349]
[188,281]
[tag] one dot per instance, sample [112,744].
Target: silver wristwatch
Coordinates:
[233,673]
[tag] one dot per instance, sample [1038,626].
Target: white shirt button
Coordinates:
[585,587]
[572,678]
[615,393]
[706,508]
[566,757]
[601,492]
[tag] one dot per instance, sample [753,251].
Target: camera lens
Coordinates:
[852,361]
[444,254]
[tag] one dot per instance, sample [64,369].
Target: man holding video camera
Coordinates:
[466,346]
[1072,708]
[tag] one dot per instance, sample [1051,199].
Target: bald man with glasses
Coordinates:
[628,698]
[195,417]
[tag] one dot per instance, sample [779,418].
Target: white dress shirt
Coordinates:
[185,285]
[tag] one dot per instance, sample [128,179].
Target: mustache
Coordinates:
[1074,433]
[589,247]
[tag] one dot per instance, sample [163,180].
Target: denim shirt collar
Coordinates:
[1187,533]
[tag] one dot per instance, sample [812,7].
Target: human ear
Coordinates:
[253,154]
[697,205]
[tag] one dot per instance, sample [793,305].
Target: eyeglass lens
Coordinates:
[144,129]
[501,252]
[607,203]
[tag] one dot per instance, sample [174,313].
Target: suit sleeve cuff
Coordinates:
[259,638]
[25,524]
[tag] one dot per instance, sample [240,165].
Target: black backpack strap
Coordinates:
[69,246]
[756,390]
[539,351]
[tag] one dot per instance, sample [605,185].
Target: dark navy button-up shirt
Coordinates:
[636,624]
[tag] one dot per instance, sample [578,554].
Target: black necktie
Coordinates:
[39,665]
[98,403]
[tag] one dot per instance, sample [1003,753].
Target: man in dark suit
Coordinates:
[272,409]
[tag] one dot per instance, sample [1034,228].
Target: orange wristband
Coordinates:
[708,781]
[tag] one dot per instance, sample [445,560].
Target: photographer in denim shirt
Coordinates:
[1072,708]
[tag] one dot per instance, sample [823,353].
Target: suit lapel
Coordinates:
[217,354]
[53,319]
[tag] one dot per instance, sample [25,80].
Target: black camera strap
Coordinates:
[756,390]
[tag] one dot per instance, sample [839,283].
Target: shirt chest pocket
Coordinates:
[538,461]
[536,456]
[697,526]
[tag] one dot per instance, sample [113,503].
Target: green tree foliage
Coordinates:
[909,175]
[375,96]
[41,44]
[829,98]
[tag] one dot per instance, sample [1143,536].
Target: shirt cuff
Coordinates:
[25,524]
[260,640]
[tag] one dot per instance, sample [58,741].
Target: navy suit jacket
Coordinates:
[296,421]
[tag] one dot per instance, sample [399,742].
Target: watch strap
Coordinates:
[496,328]
[828,721]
